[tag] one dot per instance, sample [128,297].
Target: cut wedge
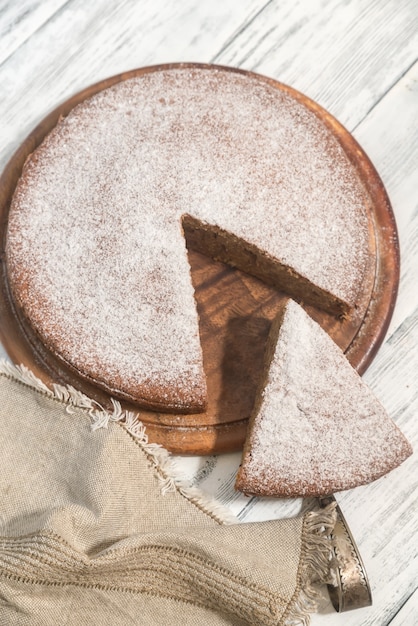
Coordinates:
[316,428]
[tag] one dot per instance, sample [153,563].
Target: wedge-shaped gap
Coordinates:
[227,247]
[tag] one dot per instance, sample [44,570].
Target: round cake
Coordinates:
[222,161]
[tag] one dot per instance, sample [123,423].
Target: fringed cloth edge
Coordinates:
[170,479]
[316,565]
[316,559]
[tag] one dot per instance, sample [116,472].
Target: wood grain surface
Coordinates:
[358,60]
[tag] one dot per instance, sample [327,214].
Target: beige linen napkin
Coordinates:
[95,529]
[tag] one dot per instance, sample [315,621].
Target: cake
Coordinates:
[316,427]
[222,160]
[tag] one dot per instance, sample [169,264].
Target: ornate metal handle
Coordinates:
[352,590]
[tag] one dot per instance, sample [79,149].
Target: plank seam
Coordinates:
[384,94]
[33,32]
[240,30]
[401,606]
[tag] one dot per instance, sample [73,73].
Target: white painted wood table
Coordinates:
[357,59]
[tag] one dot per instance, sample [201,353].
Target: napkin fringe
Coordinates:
[317,565]
[170,479]
[316,559]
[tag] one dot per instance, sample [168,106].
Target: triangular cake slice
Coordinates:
[316,428]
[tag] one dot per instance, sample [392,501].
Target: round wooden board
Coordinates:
[235,309]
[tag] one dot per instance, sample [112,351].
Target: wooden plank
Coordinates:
[383,516]
[344,55]
[408,614]
[19,20]
[86,42]
[390,137]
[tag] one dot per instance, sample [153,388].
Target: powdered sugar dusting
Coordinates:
[319,428]
[96,254]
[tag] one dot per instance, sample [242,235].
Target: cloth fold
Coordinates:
[95,528]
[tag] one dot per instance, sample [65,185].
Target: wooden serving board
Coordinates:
[236,310]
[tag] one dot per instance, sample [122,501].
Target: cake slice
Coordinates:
[316,427]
